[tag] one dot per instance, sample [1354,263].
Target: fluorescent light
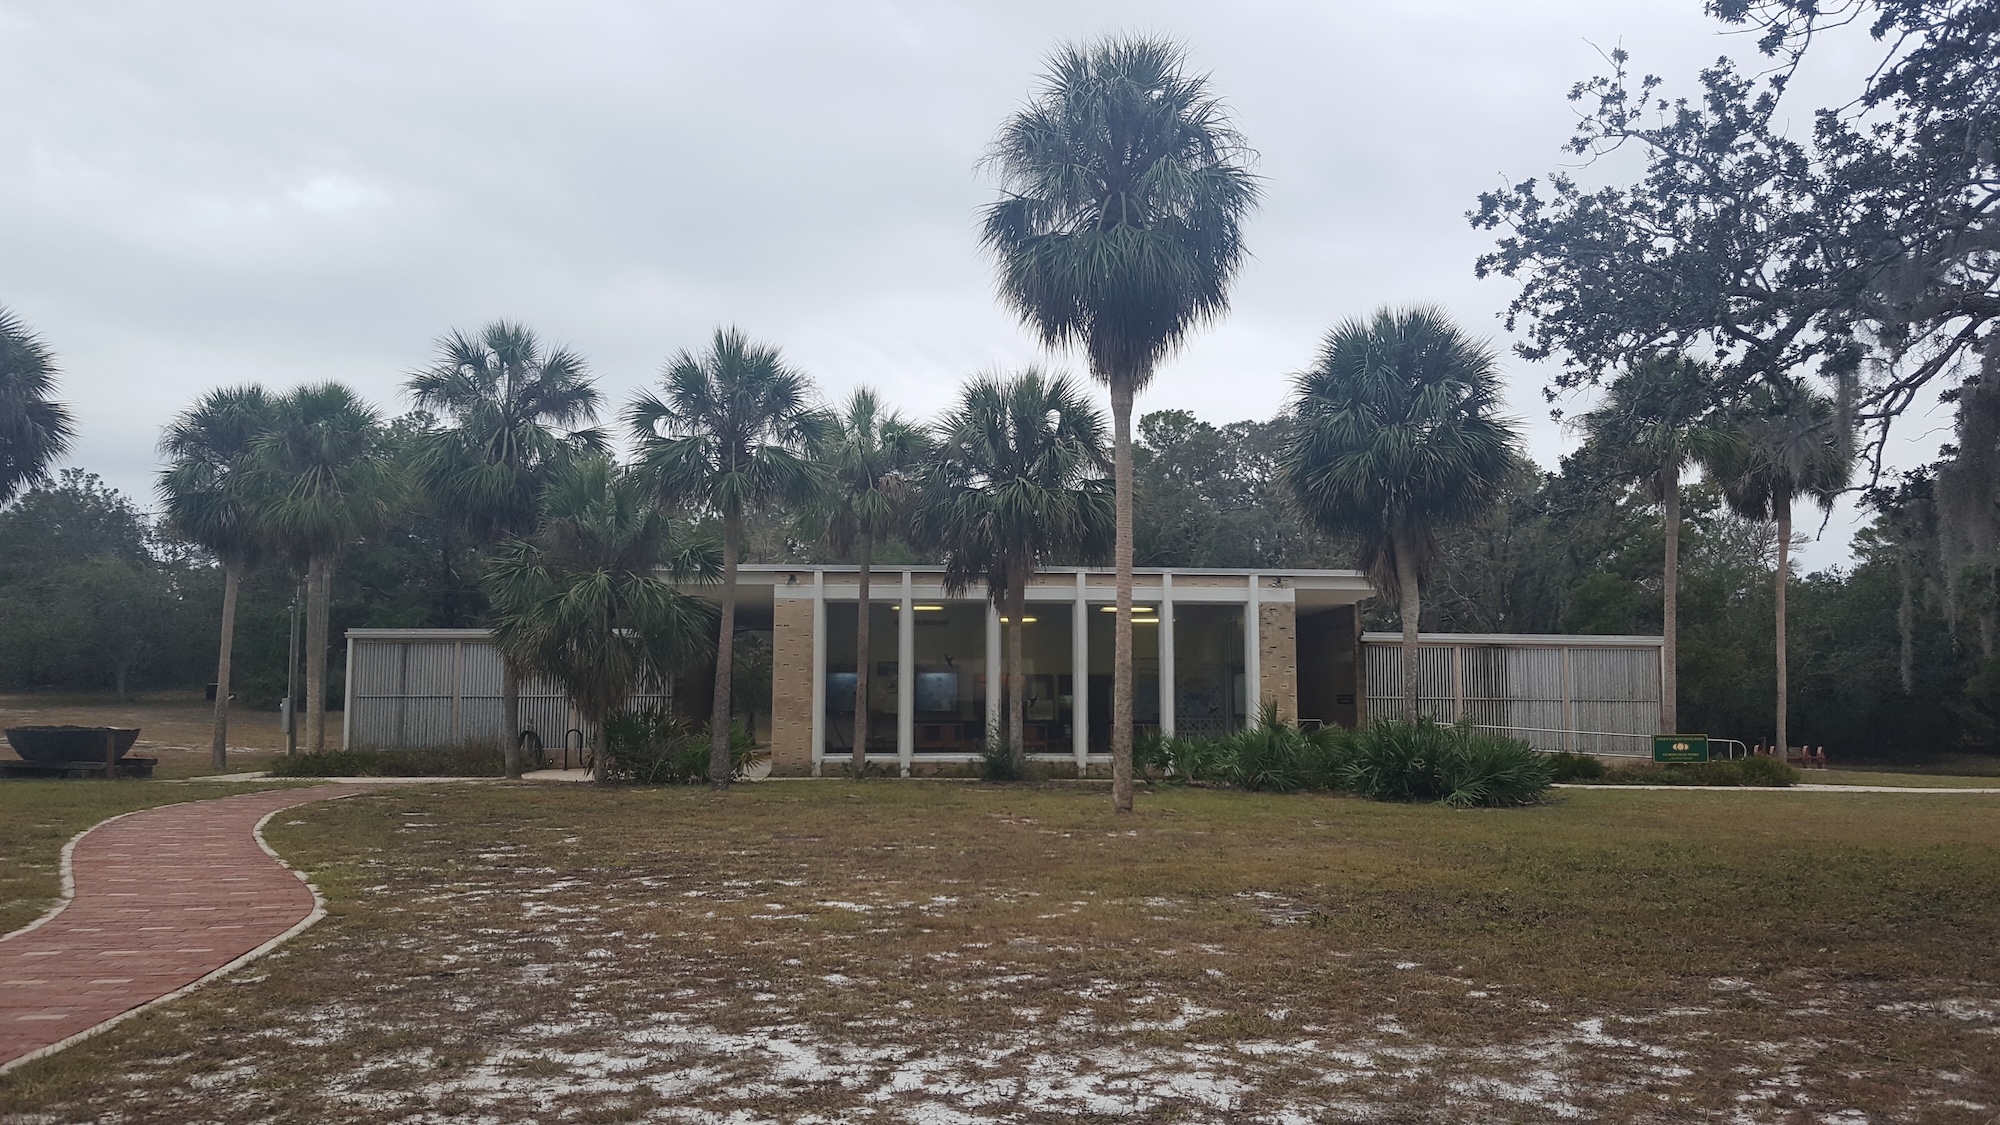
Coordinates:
[919,608]
[1135,609]
[1025,620]
[1145,621]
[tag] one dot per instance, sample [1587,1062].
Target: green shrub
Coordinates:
[473,760]
[998,763]
[1574,767]
[1462,767]
[1747,771]
[652,747]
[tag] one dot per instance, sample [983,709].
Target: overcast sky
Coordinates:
[207,193]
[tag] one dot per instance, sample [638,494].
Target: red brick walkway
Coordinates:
[163,898]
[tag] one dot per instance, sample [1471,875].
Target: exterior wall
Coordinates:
[1595,695]
[1278,658]
[792,686]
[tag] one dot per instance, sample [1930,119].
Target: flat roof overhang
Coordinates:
[762,583]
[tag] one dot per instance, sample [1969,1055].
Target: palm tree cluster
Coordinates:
[1118,232]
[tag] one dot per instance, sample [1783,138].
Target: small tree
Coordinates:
[583,603]
[1015,478]
[323,478]
[203,491]
[1653,423]
[516,414]
[1398,436]
[34,429]
[736,430]
[870,456]
[1784,445]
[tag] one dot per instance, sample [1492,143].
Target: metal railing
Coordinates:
[1741,751]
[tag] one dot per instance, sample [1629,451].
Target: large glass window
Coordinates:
[1208,668]
[841,619]
[1145,670]
[1046,661]
[950,687]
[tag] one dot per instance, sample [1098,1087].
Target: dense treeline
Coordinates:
[93,598]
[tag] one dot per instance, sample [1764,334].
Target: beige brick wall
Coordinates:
[791,686]
[1278,657]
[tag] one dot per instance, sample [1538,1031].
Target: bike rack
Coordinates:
[582,749]
[537,750]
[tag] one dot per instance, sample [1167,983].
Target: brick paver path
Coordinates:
[164,897]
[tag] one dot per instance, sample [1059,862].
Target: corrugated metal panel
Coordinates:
[1548,691]
[414,692]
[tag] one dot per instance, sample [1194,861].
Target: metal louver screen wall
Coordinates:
[443,689]
[1595,695]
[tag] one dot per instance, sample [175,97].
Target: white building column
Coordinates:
[1079,676]
[993,663]
[819,671]
[906,679]
[1252,651]
[1167,655]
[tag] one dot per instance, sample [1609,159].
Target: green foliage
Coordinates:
[452,761]
[1213,496]
[1565,766]
[653,747]
[581,602]
[34,428]
[998,762]
[1763,771]
[1124,189]
[1456,765]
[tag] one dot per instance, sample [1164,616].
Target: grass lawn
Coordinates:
[941,951]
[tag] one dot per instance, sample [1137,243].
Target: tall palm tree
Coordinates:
[324,479]
[515,413]
[203,491]
[581,600]
[1015,478]
[1789,442]
[1118,232]
[737,429]
[34,429]
[1398,435]
[1656,420]
[871,455]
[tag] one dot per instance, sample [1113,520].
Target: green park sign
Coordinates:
[1680,748]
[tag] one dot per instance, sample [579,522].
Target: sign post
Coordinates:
[1684,749]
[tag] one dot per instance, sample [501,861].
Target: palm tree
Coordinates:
[322,474]
[203,492]
[870,455]
[1654,422]
[1124,189]
[582,601]
[736,431]
[516,413]
[34,430]
[1788,442]
[1015,478]
[1397,437]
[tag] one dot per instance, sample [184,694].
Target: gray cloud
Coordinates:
[214,192]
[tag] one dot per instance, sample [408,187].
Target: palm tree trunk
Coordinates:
[863,665]
[318,603]
[1784,569]
[1017,678]
[1670,650]
[510,713]
[1406,579]
[1121,636]
[219,749]
[725,654]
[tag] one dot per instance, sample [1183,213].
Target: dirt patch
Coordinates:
[942,952]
